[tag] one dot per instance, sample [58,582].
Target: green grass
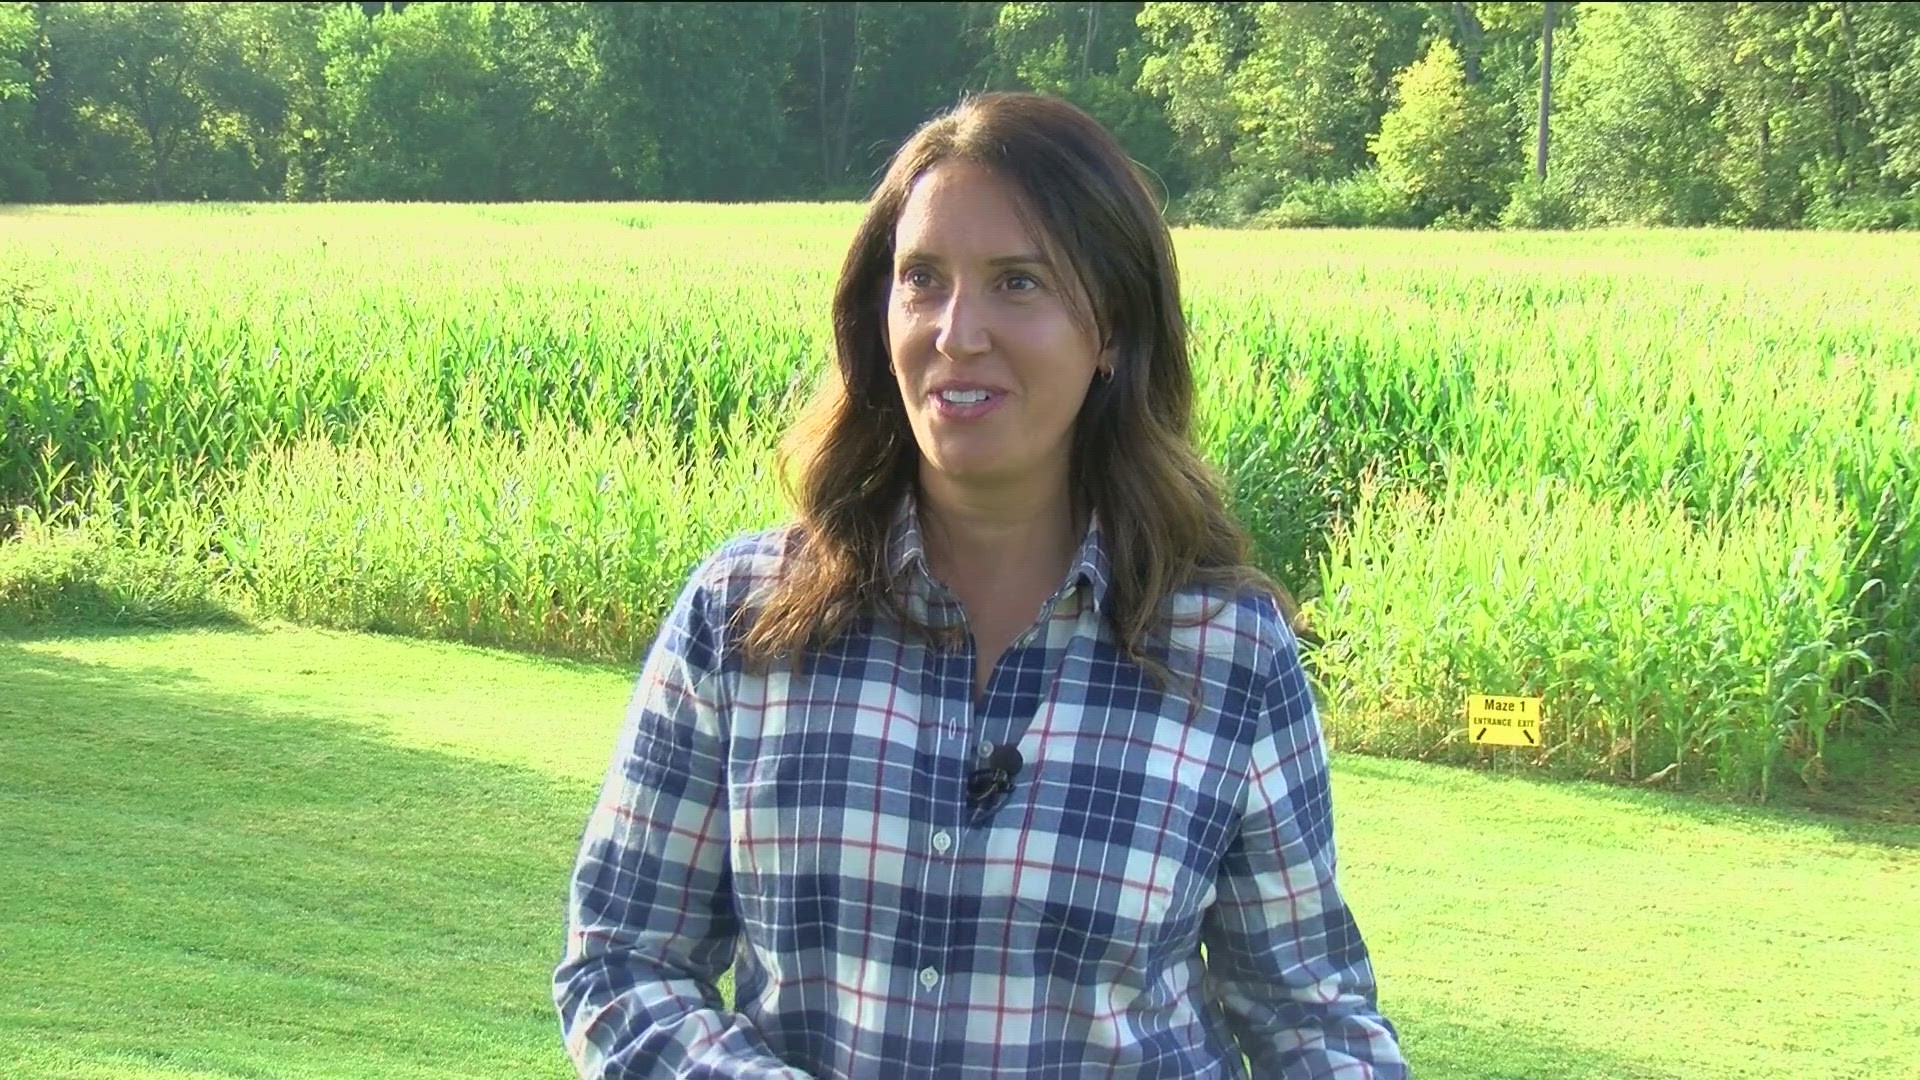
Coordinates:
[299,853]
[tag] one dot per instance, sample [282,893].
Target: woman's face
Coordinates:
[973,306]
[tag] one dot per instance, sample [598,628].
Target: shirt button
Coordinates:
[942,841]
[928,977]
[986,747]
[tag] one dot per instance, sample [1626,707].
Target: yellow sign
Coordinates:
[1504,721]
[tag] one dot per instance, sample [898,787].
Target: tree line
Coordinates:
[1407,114]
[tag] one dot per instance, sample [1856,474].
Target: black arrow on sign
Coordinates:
[1528,734]
[1482,737]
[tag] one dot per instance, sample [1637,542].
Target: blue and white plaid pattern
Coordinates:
[813,832]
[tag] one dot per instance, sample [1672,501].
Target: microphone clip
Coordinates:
[988,786]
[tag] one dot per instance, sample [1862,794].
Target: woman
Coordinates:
[962,769]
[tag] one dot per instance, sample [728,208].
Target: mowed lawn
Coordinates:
[291,853]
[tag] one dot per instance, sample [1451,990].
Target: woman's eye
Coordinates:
[922,278]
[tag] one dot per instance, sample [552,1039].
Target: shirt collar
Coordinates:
[906,547]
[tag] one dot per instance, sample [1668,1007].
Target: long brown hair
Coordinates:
[1162,515]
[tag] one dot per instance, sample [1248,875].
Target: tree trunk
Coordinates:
[836,132]
[826,154]
[1546,90]
[147,116]
[1086,46]
[843,140]
[1866,106]
[1473,39]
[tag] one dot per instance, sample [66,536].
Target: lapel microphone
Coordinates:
[987,787]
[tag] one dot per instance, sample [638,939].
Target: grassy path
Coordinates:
[304,854]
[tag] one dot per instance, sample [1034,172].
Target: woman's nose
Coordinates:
[963,326]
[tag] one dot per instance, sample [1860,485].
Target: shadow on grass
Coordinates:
[1843,820]
[264,892]
[1470,1044]
[67,605]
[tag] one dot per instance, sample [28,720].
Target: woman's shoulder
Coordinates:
[699,627]
[742,565]
[749,551]
[1236,622]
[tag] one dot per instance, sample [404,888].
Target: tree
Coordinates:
[264,78]
[1635,136]
[1722,111]
[1193,52]
[864,75]
[1882,43]
[1441,144]
[20,175]
[687,96]
[1090,54]
[1269,96]
[149,100]
[405,99]
[165,100]
[1508,38]
[286,111]
[1801,100]
[547,107]
[1542,132]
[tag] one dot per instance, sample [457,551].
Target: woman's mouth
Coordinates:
[966,404]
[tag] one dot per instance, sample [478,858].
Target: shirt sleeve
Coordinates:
[1285,960]
[650,917]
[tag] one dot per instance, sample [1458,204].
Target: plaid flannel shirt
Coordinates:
[814,833]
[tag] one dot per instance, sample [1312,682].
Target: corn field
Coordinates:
[1664,480]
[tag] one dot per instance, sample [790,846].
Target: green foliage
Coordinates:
[521,424]
[1629,133]
[1090,54]
[1441,144]
[887,68]
[158,101]
[1882,46]
[552,133]
[1863,212]
[1757,115]
[557,539]
[1745,114]
[21,179]
[1193,50]
[1232,201]
[490,100]
[689,96]
[1284,91]
[1742,636]
[85,573]
[406,93]
[1316,81]
[1537,204]
[39,572]
[1363,200]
